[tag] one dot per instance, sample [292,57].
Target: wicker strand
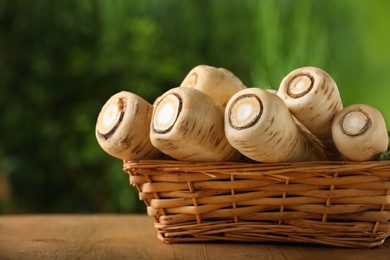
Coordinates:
[234,203]
[194,202]
[280,221]
[155,194]
[328,200]
[383,206]
[147,204]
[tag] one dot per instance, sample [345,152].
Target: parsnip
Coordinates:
[260,126]
[188,125]
[122,127]
[313,98]
[219,83]
[307,134]
[359,132]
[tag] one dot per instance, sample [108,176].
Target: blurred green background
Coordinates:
[61,60]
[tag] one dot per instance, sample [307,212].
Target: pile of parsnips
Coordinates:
[213,116]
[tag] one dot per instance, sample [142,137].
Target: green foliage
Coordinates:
[61,60]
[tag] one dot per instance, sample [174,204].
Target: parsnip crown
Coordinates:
[191,80]
[300,86]
[166,113]
[355,123]
[245,111]
[111,117]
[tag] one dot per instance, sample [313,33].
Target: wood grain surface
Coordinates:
[134,237]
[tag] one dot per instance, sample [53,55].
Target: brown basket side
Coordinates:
[334,203]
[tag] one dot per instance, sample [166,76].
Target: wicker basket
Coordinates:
[341,204]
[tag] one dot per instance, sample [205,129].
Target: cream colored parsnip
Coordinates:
[188,125]
[219,83]
[308,135]
[359,132]
[313,98]
[260,126]
[273,91]
[122,127]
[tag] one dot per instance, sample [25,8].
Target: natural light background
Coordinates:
[61,60]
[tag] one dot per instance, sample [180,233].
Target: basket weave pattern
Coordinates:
[342,204]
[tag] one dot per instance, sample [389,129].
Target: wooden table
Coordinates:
[134,237]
